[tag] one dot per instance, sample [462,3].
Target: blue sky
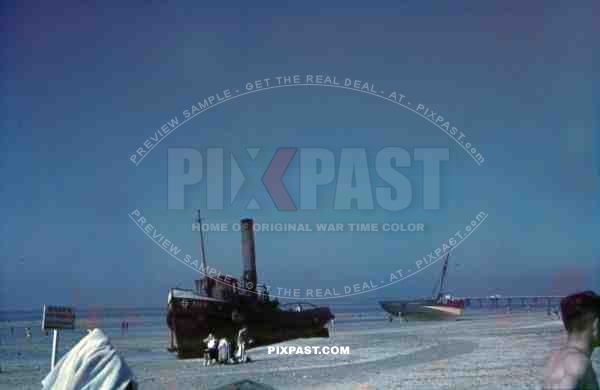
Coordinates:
[84,87]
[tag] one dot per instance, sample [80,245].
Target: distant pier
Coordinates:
[513,301]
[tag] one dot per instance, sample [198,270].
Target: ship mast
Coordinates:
[202,250]
[202,285]
[442,283]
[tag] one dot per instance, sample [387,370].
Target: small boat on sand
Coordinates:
[441,306]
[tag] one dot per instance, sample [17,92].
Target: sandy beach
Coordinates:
[494,351]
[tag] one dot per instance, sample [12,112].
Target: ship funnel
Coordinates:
[248,255]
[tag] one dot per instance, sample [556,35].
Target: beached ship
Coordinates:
[441,306]
[222,307]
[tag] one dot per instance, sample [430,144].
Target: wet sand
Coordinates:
[491,351]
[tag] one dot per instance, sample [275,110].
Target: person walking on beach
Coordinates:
[556,313]
[211,349]
[223,351]
[571,367]
[242,339]
[28,334]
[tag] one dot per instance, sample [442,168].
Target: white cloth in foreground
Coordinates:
[92,364]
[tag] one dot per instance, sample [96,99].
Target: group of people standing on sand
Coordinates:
[124,326]
[219,351]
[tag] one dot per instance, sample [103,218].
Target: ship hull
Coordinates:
[191,323]
[422,310]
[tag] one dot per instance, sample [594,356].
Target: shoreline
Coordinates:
[489,351]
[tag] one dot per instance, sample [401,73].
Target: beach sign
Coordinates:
[55,318]
[58,317]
